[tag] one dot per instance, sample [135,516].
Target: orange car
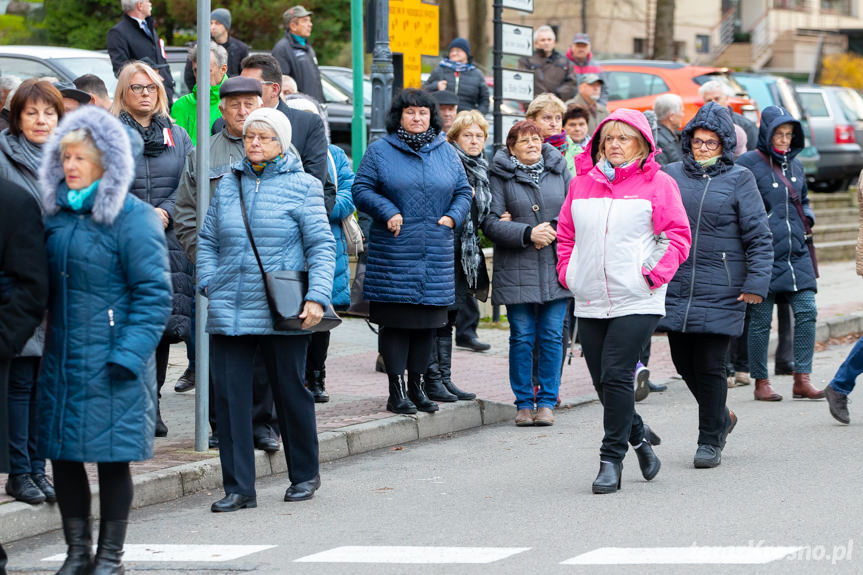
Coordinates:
[636,84]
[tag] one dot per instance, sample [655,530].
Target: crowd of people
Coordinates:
[606,226]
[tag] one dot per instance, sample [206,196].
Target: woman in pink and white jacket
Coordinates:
[621,234]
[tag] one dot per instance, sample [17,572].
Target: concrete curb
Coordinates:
[19,520]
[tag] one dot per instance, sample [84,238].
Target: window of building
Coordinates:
[638,46]
[841,7]
[626,85]
[702,44]
[790,4]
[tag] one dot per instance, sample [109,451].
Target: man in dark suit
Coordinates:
[24,289]
[134,37]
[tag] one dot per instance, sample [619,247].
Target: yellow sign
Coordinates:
[414,31]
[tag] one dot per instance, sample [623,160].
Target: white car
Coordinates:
[65,64]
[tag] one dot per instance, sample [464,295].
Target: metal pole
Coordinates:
[358,124]
[202,341]
[382,70]
[498,73]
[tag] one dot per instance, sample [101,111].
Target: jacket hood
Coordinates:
[112,141]
[502,166]
[10,146]
[771,118]
[588,159]
[717,119]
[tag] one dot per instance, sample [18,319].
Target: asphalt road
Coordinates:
[502,499]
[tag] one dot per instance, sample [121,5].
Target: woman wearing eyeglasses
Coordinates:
[140,102]
[782,183]
[728,268]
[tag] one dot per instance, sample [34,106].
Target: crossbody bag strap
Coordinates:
[249,231]
[792,194]
[335,172]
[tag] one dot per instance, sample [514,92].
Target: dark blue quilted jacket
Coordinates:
[732,251]
[417,266]
[792,265]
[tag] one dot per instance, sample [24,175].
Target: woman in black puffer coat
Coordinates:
[728,267]
[157,175]
[459,75]
[780,178]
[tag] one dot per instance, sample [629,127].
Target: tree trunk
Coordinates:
[448,23]
[663,31]
[477,14]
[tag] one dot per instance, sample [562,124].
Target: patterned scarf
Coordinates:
[456,66]
[417,141]
[534,171]
[476,168]
[258,167]
[154,136]
[558,141]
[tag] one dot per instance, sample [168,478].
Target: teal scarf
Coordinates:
[76,198]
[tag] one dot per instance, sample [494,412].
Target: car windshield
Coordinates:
[722,78]
[99,66]
[852,104]
[344,79]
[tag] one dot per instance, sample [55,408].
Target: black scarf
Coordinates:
[417,141]
[476,168]
[153,135]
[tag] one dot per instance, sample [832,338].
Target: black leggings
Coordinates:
[406,349]
[316,358]
[73,489]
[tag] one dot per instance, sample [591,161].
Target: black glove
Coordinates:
[119,373]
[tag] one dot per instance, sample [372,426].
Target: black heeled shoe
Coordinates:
[647,460]
[608,479]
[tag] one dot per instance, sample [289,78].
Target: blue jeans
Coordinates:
[23,417]
[846,376]
[530,325]
[761,316]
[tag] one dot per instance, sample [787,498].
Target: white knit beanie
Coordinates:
[277,122]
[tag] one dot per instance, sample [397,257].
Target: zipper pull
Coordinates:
[111,317]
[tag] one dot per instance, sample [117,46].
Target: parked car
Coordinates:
[636,84]
[344,79]
[339,103]
[176,57]
[770,90]
[836,120]
[65,64]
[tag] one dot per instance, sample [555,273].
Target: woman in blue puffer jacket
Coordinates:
[285,211]
[110,300]
[413,185]
[780,178]
[728,267]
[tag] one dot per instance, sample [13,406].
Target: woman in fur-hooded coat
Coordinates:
[110,300]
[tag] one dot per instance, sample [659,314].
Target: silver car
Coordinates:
[65,64]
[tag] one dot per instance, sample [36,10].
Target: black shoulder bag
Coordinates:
[286,290]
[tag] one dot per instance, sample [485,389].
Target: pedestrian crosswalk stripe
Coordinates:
[418,555]
[748,555]
[182,553]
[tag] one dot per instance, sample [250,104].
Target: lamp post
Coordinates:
[382,70]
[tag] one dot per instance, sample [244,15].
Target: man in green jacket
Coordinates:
[184,111]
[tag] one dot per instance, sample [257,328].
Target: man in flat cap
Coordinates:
[73,98]
[296,55]
[447,105]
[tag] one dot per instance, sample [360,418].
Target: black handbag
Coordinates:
[286,290]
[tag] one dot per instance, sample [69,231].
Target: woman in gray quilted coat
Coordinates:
[529,181]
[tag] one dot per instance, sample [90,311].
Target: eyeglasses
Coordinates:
[709,144]
[250,138]
[549,119]
[139,88]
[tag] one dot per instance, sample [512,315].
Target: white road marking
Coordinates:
[189,553]
[417,555]
[749,555]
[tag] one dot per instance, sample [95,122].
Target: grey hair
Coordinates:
[289,84]
[8,84]
[81,136]
[712,86]
[291,100]
[543,28]
[667,104]
[129,5]
[215,50]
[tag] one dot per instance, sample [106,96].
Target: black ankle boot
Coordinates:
[608,479]
[417,393]
[317,386]
[398,401]
[434,386]
[78,533]
[109,555]
[647,460]
[161,428]
[444,346]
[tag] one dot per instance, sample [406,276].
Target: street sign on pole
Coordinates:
[517,85]
[521,5]
[414,27]
[517,40]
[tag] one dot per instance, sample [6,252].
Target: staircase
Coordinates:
[836,225]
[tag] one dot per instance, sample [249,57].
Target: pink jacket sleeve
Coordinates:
[565,236]
[671,227]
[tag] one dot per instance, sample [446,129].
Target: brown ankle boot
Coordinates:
[803,389]
[763,391]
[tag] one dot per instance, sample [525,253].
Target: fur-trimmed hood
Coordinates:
[112,141]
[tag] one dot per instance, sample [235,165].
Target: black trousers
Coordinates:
[467,319]
[611,349]
[4,417]
[284,358]
[406,349]
[700,359]
[319,345]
